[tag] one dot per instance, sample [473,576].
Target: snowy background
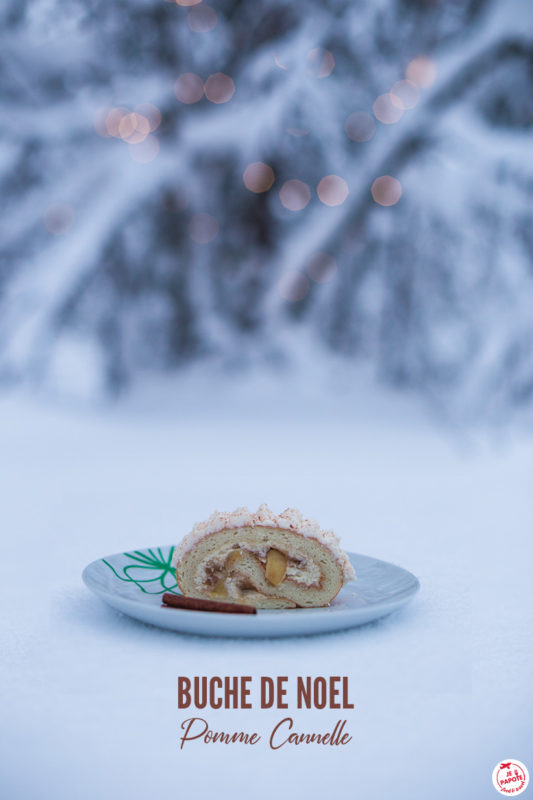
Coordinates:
[188,182]
[266,252]
[442,689]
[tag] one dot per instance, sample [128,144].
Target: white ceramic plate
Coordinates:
[134,582]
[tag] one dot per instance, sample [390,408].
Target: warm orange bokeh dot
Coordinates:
[189,88]
[332,190]
[360,126]
[145,151]
[293,286]
[202,19]
[258,177]
[421,71]
[219,88]
[294,195]
[58,219]
[113,119]
[151,113]
[388,108]
[203,228]
[133,128]
[386,190]
[406,92]
[320,62]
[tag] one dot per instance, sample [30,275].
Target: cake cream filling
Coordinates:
[217,577]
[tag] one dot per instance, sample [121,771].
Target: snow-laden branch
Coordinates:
[327,227]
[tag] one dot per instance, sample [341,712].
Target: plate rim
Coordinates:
[282,613]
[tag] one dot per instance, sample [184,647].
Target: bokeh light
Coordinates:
[152,114]
[320,62]
[388,108]
[146,150]
[133,128]
[258,177]
[332,190]
[187,3]
[407,93]
[422,71]
[219,88]
[189,88]
[386,190]
[113,119]
[58,219]
[321,267]
[293,286]
[278,63]
[360,126]
[294,195]
[203,228]
[202,19]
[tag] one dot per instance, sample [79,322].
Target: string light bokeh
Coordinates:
[219,88]
[189,88]
[360,126]
[386,190]
[145,151]
[388,108]
[332,190]
[258,177]
[321,63]
[406,92]
[271,156]
[422,71]
[295,194]
[136,128]
[293,286]
[266,251]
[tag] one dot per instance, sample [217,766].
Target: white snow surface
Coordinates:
[442,689]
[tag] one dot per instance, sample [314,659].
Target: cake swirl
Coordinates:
[263,559]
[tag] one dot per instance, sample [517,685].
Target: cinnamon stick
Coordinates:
[199,604]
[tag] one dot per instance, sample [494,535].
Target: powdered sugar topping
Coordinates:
[290,519]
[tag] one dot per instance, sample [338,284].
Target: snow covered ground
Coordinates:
[442,690]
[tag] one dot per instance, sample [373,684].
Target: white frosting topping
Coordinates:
[290,519]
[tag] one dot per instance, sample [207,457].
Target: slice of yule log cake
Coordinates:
[262,559]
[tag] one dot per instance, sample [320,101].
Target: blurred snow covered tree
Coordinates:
[162,166]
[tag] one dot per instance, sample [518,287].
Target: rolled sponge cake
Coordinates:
[262,559]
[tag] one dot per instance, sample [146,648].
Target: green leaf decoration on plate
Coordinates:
[149,570]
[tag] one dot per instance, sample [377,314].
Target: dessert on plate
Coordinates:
[262,559]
